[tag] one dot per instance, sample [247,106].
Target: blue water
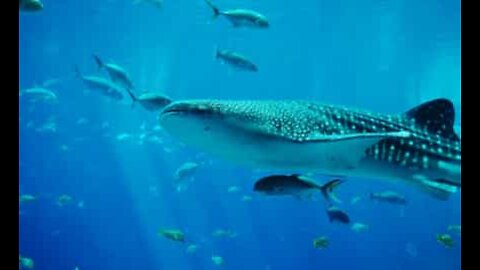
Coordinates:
[381,55]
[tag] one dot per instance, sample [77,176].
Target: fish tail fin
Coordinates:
[132,96]
[327,190]
[216,10]
[98,61]
[217,52]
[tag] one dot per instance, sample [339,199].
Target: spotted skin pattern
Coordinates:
[430,141]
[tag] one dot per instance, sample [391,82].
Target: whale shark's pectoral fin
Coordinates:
[359,137]
[435,192]
[439,189]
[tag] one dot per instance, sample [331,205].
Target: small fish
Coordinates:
[233,189]
[355,199]
[320,242]
[64,200]
[150,101]
[192,248]
[455,228]
[30,5]
[246,198]
[235,60]
[123,136]
[25,263]
[39,94]
[172,234]
[186,170]
[117,74]
[81,204]
[220,233]
[445,239]
[29,124]
[48,127]
[335,214]
[359,227]
[217,260]
[241,17]
[27,198]
[295,185]
[389,196]
[100,85]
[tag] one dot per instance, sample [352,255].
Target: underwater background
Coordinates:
[116,167]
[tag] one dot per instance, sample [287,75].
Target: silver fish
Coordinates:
[100,85]
[150,101]
[117,74]
[236,60]
[388,196]
[241,17]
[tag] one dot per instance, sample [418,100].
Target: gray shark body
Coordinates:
[419,146]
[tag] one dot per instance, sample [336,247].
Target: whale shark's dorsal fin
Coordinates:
[437,116]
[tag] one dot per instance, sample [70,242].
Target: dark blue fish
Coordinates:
[295,185]
[335,214]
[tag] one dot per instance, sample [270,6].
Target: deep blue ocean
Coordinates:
[117,165]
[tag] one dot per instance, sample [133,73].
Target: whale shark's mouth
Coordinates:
[173,110]
[191,108]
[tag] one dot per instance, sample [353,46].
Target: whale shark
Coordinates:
[418,146]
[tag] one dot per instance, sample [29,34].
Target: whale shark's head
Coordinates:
[209,125]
